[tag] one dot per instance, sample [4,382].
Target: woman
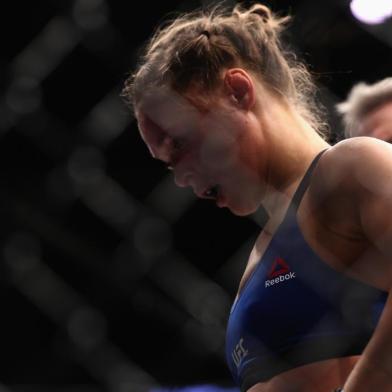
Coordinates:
[230,111]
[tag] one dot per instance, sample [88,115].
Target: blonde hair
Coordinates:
[195,47]
[362,99]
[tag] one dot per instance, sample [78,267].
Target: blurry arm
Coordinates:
[372,176]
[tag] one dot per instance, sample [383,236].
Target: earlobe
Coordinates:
[239,86]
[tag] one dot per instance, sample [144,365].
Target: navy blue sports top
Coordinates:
[295,309]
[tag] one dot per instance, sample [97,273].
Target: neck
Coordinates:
[289,160]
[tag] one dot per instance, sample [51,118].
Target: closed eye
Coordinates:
[178,144]
[175,146]
[177,149]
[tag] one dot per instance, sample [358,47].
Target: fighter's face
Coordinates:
[213,150]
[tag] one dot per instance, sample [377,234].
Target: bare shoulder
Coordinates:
[344,181]
[359,152]
[353,165]
[357,190]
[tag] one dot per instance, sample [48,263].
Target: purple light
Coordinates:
[371,11]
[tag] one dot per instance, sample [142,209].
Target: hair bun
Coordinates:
[262,11]
[273,24]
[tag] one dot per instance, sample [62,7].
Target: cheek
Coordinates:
[220,148]
[218,152]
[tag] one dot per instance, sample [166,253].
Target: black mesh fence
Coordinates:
[113,279]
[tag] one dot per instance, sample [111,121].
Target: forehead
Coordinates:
[167,108]
[164,112]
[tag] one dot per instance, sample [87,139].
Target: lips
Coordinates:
[212,192]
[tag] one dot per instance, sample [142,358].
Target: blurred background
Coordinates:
[111,278]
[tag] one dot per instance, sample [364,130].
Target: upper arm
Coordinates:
[372,180]
[355,191]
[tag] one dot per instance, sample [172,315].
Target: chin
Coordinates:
[242,210]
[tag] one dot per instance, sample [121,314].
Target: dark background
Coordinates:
[111,278]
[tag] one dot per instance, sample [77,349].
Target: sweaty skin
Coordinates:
[256,148]
[351,242]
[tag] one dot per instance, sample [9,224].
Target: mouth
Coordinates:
[214,193]
[211,192]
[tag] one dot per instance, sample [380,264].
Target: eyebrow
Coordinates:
[152,129]
[156,135]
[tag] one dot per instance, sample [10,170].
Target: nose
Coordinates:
[182,177]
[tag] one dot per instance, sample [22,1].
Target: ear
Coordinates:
[240,87]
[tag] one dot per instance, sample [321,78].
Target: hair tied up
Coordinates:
[206,33]
[261,11]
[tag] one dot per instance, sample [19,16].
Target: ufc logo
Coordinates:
[239,352]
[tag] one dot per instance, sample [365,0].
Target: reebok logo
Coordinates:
[279,273]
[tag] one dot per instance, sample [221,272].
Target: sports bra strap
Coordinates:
[296,200]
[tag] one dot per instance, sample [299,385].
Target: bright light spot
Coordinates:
[371,11]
